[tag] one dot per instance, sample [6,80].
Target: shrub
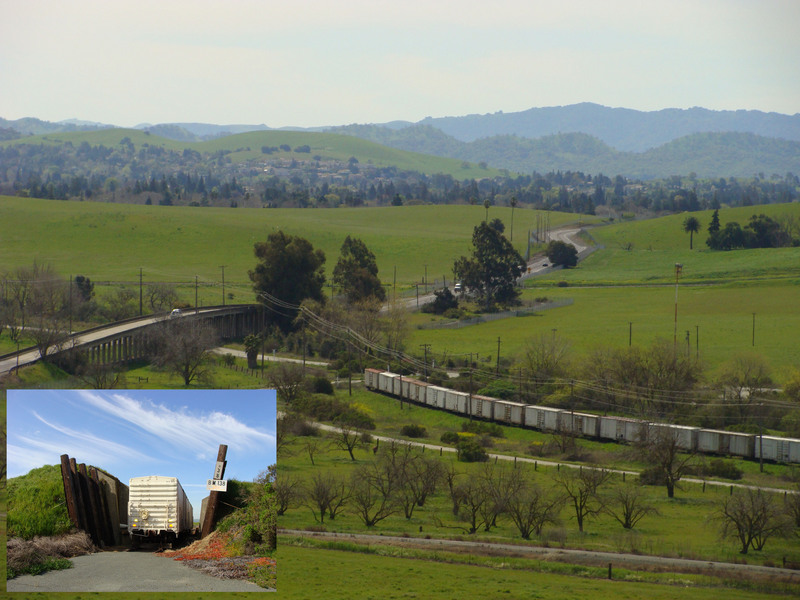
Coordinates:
[470,450]
[413,431]
[652,476]
[321,385]
[483,428]
[325,408]
[722,468]
[504,390]
[449,437]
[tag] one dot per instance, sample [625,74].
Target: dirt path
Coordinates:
[127,572]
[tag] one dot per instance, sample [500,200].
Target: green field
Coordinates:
[113,241]
[247,147]
[722,314]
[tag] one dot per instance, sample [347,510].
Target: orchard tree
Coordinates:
[691,226]
[356,272]
[291,270]
[493,268]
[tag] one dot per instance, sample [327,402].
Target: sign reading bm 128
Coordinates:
[217,485]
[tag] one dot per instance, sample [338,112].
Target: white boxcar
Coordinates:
[725,442]
[543,418]
[371,377]
[158,507]
[685,436]
[509,412]
[777,448]
[435,396]
[456,401]
[584,424]
[621,428]
[482,406]
[387,383]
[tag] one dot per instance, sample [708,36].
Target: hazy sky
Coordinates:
[328,62]
[133,433]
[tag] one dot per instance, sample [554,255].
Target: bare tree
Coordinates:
[472,495]
[374,487]
[120,304]
[100,376]
[395,326]
[312,446]
[667,462]
[503,482]
[365,320]
[288,490]
[161,296]
[326,493]
[348,437]
[287,379]
[751,516]
[546,357]
[792,504]
[531,507]
[581,489]
[628,505]
[183,346]
[417,475]
[743,377]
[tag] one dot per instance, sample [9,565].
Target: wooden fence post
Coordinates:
[213,496]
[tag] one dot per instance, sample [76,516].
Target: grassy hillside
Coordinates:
[646,252]
[112,241]
[247,146]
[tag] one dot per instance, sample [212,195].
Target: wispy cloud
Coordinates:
[88,443]
[201,433]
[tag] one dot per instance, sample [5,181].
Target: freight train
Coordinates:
[601,427]
[158,509]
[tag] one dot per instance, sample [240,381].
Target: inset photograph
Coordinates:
[141,490]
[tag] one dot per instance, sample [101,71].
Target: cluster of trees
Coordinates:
[760,232]
[659,383]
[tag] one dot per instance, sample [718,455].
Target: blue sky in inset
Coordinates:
[132,433]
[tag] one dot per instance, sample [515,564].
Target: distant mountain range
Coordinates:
[582,137]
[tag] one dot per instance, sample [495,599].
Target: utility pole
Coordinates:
[754,329]
[630,333]
[223,284]
[497,367]
[697,341]
[195,294]
[140,291]
[678,268]
[213,496]
[425,363]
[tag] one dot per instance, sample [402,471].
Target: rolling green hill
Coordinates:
[247,146]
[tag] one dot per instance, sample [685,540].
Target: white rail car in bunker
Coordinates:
[158,509]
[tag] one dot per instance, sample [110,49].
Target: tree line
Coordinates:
[127,173]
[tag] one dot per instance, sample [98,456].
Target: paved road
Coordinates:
[127,572]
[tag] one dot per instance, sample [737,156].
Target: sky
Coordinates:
[312,63]
[134,433]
